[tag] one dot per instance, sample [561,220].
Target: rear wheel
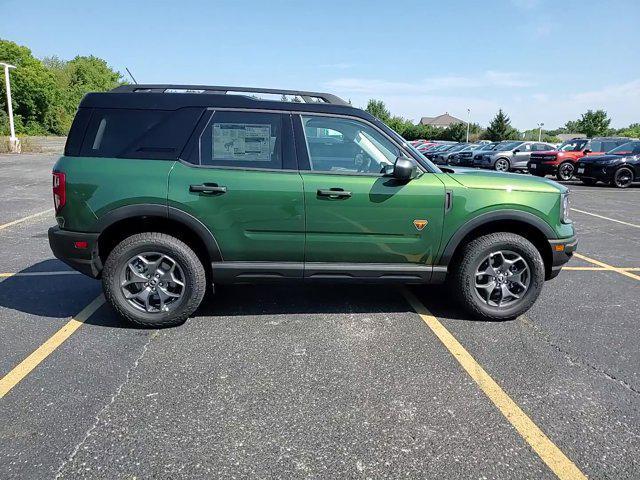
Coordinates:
[565,171]
[623,177]
[153,279]
[499,276]
[502,165]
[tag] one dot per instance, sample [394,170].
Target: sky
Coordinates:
[542,61]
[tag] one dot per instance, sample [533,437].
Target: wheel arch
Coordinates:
[521,223]
[131,219]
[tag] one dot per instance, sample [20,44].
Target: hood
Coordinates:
[600,158]
[491,180]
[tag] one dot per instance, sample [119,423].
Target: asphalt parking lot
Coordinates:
[319,381]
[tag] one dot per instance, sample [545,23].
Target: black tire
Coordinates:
[464,275]
[565,171]
[194,278]
[623,177]
[588,181]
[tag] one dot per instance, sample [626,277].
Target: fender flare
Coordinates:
[489,217]
[170,213]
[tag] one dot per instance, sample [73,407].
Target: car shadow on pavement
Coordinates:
[56,295]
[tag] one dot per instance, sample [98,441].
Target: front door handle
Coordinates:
[208,188]
[334,193]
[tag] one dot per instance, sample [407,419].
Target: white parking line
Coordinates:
[24,219]
[38,274]
[606,218]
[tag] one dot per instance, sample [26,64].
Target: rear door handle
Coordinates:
[334,193]
[208,188]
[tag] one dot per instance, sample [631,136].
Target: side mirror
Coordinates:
[404,169]
[586,151]
[517,150]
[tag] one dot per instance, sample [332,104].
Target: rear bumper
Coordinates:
[85,260]
[561,251]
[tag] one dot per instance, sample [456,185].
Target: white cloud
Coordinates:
[486,79]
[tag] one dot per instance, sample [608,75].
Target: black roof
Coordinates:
[172,97]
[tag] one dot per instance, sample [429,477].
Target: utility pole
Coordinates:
[14,143]
[540,125]
[468,122]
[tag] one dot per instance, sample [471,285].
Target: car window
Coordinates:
[596,146]
[606,146]
[346,145]
[242,139]
[628,148]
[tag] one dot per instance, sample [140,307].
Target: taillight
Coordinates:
[59,190]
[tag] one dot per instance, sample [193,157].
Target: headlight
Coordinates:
[564,208]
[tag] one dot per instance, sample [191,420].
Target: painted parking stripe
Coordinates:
[606,218]
[599,269]
[550,454]
[606,266]
[39,274]
[23,369]
[24,219]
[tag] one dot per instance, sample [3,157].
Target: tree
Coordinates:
[456,132]
[378,109]
[500,128]
[591,123]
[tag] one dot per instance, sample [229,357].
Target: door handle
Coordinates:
[334,193]
[208,188]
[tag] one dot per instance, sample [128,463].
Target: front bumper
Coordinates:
[604,173]
[64,245]
[542,168]
[561,252]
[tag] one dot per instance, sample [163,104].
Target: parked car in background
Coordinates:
[619,167]
[427,146]
[464,158]
[432,152]
[452,158]
[442,157]
[514,155]
[562,162]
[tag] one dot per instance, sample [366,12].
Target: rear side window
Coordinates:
[246,140]
[145,134]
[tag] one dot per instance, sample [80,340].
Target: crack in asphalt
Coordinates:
[111,401]
[545,338]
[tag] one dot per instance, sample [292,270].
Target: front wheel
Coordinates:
[499,276]
[153,279]
[623,177]
[502,165]
[565,171]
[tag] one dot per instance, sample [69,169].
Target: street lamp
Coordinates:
[468,120]
[14,143]
[540,125]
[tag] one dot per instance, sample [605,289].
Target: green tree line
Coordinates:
[46,92]
[591,123]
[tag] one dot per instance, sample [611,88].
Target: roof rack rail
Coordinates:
[307,97]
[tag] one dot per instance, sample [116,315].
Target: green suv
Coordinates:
[165,189]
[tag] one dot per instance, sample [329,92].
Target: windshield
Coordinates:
[457,148]
[572,146]
[503,147]
[629,148]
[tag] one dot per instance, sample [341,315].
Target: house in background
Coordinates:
[441,121]
[568,136]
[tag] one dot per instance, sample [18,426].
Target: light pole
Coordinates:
[468,120]
[14,143]
[540,125]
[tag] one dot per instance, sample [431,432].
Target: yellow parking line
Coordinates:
[606,218]
[23,369]
[601,269]
[24,219]
[550,454]
[606,266]
[38,274]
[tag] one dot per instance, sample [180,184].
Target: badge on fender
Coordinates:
[420,224]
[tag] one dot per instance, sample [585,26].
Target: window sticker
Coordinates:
[242,141]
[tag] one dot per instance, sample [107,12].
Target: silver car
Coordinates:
[514,155]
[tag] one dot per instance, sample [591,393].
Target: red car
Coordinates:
[562,162]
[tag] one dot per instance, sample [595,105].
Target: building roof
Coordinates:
[569,136]
[444,119]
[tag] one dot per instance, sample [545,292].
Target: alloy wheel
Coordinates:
[502,165]
[152,282]
[565,171]
[502,278]
[623,178]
